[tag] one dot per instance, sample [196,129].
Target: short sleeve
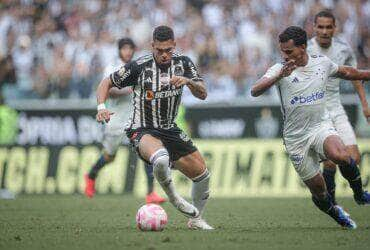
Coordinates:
[351,59]
[273,71]
[190,71]
[127,75]
[333,68]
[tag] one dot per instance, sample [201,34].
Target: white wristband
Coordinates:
[101,106]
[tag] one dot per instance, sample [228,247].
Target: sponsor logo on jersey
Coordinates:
[308,99]
[150,95]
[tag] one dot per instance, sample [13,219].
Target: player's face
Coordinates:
[126,53]
[290,52]
[163,51]
[324,29]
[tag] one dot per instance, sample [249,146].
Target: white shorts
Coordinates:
[306,154]
[114,134]
[342,125]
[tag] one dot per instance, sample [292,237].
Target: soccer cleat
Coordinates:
[153,197]
[344,211]
[199,223]
[184,207]
[89,186]
[344,220]
[364,199]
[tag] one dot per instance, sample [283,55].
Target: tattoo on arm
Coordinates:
[198,89]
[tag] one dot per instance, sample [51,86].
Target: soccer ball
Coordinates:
[151,217]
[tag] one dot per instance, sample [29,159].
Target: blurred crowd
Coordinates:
[58,49]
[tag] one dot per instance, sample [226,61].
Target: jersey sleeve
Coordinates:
[273,71]
[351,59]
[190,71]
[332,68]
[127,75]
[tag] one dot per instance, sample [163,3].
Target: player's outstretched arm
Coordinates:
[350,73]
[263,84]
[102,94]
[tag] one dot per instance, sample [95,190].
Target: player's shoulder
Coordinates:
[340,44]
[148,58]
[178,56]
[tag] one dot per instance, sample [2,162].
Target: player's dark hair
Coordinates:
[325,13]
[163,33]
[297,34]
[126,41]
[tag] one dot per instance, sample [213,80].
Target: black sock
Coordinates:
[149,177]
[329,176]
[326,205]
[95,169]
[352,175]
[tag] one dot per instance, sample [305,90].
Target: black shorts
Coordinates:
[177,143]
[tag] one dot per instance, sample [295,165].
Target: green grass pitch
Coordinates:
[108,222]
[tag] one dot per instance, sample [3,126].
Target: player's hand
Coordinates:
[287,69]
[179,81]
[103,115]
[366,112]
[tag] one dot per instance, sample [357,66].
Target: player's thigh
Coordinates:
[148,145]
[344,129]
[191,165]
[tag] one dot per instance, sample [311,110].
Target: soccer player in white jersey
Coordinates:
[114,134]
[325,43]
[308,132]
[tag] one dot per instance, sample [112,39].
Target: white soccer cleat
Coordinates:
[185,207]
[199,223]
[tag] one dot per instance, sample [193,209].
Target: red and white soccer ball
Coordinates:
[151,217]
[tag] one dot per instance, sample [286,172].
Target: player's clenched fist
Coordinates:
[103,115]
[179,81]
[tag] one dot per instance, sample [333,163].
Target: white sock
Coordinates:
[200,190]
[161,170]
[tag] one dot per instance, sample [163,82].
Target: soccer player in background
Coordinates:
[114,134]
[325,43]
[308,132]
[158,80]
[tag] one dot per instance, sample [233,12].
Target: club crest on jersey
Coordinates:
[164,79]
[178,71]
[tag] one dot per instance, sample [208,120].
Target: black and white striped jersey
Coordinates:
[155,100]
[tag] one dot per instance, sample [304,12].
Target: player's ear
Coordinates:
[153,45]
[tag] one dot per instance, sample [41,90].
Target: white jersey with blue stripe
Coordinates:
[303,96]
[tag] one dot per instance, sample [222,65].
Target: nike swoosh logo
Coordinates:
[189,214]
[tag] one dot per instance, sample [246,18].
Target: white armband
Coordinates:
[101,106]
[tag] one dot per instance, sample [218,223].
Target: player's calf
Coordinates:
[330,169]
[161,170]
[200,190]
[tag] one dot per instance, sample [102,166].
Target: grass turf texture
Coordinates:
[108,222]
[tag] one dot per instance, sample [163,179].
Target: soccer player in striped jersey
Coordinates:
[308,132]
[114,134]
[325,43]
[158,80]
